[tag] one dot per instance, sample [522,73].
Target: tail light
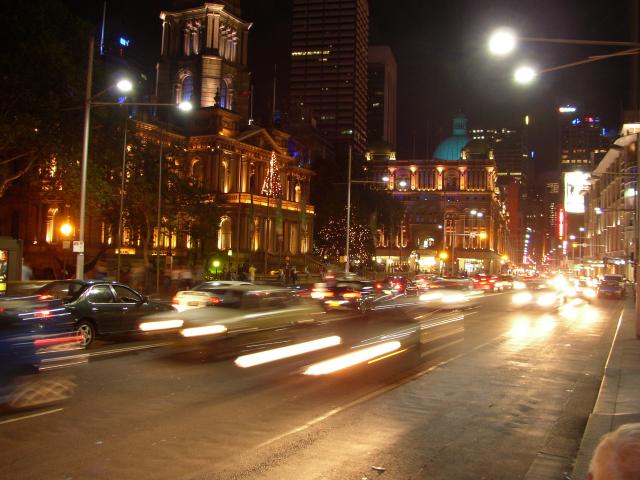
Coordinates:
[175,301]
[378,286]
[45,297]
[492,280]
[42,313]
[214,300]
[349,295]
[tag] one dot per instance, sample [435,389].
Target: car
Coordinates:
[397,284]
[537,294]
[423,280]
[611,286]
[35,334]
[344,294]
[451,283]
[584,289]
[247,309]
[483,281]
[101,307]
[504,282]
[205,294]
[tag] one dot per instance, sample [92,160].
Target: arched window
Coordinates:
[184,86]
[223,94]
[224,234]
[197,171]
[298,195]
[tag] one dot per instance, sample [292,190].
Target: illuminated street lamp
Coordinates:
[502,41]
[524,75]
[66,229]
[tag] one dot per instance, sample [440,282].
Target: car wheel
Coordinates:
[87,332]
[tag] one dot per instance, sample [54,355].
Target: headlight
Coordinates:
[160,325]
[546,300]
[517,285]
[199,331]
[589,292]
[522,298]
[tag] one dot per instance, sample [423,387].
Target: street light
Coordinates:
[88,97]
[524,75]
[502,41]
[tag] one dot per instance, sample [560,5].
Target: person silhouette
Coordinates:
[617,456]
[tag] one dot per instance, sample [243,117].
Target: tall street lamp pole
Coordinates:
[85,156]
[346,255]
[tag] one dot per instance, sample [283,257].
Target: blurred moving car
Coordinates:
[423,280]
[397,284]
[33,331]
[538,294]
[483,281]
[451,283]
[504,282]
[351,294]
[101,307]
[205,294]
[248,308]
[611,286]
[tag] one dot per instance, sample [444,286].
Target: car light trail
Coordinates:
[522,298]
[259,358]
[350,359]
[200,331]
[160,325]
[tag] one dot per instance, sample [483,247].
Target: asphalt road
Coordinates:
[496,394]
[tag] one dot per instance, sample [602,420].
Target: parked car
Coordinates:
[611,286]
[483,281]
[102,307]
[205,294]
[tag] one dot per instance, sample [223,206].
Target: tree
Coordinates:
[331,239]
[43,70]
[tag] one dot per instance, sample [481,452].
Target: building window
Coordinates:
[184,87]
[51,225]
[224,234]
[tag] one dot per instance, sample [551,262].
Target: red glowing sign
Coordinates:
[561,223]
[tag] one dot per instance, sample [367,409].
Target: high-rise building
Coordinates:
[329,57]
[583,142]
[382,108]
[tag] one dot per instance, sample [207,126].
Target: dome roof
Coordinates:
[451,147]
[477,149]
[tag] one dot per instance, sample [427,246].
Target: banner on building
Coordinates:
[576,184]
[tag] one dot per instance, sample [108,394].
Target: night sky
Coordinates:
[443,65]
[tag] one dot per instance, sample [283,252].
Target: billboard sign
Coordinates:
[576,184]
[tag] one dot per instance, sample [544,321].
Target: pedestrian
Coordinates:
[294,275]
[617,456]
[27,273]
[252,274]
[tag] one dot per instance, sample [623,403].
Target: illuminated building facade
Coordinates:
[203,60]
[452,204]
[608,244]
[329,57]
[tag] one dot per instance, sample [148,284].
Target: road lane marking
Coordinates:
[374,394]
[110,352]
[33,415]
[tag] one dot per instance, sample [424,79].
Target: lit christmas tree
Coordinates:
[331,239]
[272,186]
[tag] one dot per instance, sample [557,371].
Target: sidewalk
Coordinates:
[619,397]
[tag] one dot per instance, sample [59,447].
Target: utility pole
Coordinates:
[346,255]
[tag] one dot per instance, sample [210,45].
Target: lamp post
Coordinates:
[124,85]
[384,181]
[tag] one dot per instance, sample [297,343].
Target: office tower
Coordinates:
[382,107]
[329,57]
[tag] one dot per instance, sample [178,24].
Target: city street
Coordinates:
[495,395]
